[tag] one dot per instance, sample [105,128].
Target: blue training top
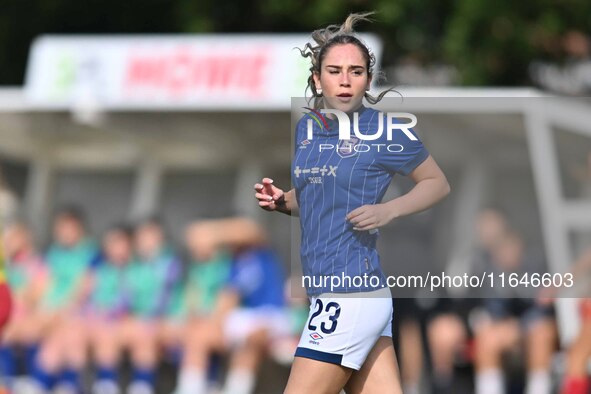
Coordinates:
[333,177]
[257,276]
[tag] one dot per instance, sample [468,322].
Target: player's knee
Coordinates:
[50,357]
[144,357]
[445,334]
[542,333]
[487,341]
[257,339]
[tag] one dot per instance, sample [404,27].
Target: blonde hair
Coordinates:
[333,35]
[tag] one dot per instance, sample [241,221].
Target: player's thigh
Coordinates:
[12,331]
[340,334]
[379,374]
[170,333]
[104,338]
[445,331]
[498,336]
[308,376]
[142,334]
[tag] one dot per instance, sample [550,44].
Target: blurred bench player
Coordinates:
[69,258]
[152,280]
[249,311]
[27,277]
[108,308]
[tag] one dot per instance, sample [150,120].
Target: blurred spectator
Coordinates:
[108,307]
[27,278]
[194,301]
[491,227]
[409,319]
[208,272]
[448,328]
[152,279]
[507,321]
[576,45]
[5,300]
[576,379]
[447,335]
[298,308]
[249,312]
[69,259]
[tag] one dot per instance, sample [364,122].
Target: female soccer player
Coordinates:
[244,312]
[337,194]
[576,379]
[5,309]
[27,277]
[107,308]
[152,279]
[69,260]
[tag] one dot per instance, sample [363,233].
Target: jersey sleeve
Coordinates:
[401,154]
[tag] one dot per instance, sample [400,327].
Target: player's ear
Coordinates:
[316,77]
[368,82]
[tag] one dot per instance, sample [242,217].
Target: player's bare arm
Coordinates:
[234,233]
[431,187]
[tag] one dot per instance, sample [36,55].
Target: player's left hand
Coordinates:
[369,217]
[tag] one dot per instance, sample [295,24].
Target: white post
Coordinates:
[146,192]
[244,202]
[471,193]
[39,195]
[544,163]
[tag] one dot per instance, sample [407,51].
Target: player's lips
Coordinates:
[344,97]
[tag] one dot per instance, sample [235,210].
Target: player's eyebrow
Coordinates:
[355,67]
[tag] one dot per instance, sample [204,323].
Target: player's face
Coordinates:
[200,243]
[491,226]
[149,240]
[343,77]
[117,247]
[16,240]
[508,254]
[67,231]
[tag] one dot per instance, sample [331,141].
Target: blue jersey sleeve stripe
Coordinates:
[318,355]
[414,162]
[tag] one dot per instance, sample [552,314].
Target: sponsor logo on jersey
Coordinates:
[315,336]
[304,144]
[322,171]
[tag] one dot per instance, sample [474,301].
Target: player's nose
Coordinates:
[345,81]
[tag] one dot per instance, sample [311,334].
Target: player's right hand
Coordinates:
[270,197]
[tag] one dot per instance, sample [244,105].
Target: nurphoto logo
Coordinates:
[344,123]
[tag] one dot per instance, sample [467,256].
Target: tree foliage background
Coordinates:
[489,42]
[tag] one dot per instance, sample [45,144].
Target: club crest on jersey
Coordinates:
[346,148]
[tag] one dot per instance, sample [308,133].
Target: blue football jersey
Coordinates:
[333,177]
[257,276]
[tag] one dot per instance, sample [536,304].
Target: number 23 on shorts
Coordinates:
[334,311]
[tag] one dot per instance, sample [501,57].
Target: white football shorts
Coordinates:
[242,322]
[343,328]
